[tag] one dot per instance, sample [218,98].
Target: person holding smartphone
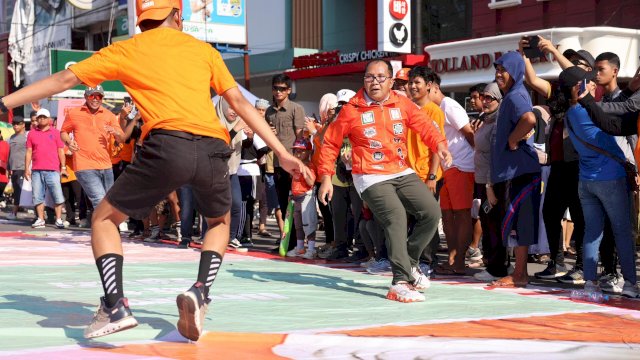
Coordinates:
[491,99]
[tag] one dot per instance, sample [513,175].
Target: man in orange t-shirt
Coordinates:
[94,128]
[184,144]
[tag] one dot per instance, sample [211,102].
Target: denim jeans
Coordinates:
[42,180]
[610,197]
[95,183]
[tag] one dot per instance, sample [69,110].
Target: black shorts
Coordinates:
[169,160]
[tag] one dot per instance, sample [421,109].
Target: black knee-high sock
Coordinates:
[110,269]
[210,262]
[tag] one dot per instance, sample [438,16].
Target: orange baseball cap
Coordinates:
[403,74]
[155,9]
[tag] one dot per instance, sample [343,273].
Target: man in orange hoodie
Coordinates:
[376,122]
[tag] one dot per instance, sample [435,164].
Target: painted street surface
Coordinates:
[266,307]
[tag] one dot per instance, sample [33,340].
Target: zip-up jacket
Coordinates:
[378,135]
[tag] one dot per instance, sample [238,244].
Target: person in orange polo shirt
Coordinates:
[184,144]
[425,163]
[375,120]
[93,128]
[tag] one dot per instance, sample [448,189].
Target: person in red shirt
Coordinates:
[375,120]
[45,148]
[305,213]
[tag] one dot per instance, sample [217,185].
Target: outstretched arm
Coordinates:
[44,88]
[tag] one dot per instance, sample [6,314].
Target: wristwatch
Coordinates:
[431,177]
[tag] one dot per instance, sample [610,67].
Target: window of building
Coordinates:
[446,20]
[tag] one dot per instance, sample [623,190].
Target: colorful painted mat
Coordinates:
[264,307]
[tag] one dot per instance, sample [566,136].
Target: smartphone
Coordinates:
[532,51]
[583,87]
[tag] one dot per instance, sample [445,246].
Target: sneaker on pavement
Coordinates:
[84,223]
[368,263]
[611,283]
[339,254]
[235,244]
[631,290]
[123,226]
[38,224]
[357,256]
[405,293]
[323,254]
[295,253]
[574,276]
[154,237]
[11,216]
[473,254]
[310,254]
[485,276]
[60,224]
[552,271]
[110,320]
[192,306]
[421,281]
[246,242]
[380,267]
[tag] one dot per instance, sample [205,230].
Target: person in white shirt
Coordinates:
[456,196]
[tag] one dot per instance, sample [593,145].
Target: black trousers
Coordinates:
[283,187]
[562,193]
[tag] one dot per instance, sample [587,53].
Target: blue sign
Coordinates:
[227,12]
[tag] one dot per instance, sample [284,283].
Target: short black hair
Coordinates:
[33,113]
[435,78]
[612,58]
[424,72]
[479,88]
[386,62]
[281,79]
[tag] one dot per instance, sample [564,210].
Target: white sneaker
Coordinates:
[11,216]
[611,283]
[484,276]
[421,281]
[59,224]
[405,293]
[310,254]
[295,253]
[3,204]
[630,289]
[84,223]
[123,226]
[38,224]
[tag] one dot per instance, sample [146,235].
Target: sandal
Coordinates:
[264,233]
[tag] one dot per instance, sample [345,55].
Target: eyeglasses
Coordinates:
[94,97]
[380,78]
[488,98]
[279,88]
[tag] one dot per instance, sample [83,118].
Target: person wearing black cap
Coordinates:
[602,187]
[17,152]
[562,185]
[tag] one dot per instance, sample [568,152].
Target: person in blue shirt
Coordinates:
[515,171]
[602,186]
